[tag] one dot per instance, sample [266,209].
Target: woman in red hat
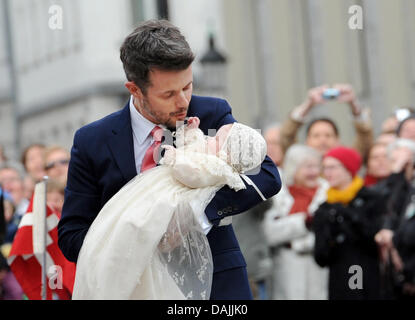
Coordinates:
[345,226]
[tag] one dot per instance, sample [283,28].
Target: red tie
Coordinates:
[148,160]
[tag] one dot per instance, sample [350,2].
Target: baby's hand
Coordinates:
[193,122]
[169,154]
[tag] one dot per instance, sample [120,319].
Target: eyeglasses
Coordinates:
[53,164]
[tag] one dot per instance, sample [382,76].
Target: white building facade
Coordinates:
[54,80]
[65,70]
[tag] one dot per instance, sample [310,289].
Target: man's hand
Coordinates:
[387,250]
[384,238]
[179,226]
[384,241]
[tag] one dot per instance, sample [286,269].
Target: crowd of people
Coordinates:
[341,208]
[17,183]
[343,225]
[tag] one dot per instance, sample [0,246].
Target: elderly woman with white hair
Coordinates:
[296,276]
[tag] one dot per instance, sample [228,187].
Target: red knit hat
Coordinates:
[349,157]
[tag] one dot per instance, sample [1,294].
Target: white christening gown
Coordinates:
[147,242]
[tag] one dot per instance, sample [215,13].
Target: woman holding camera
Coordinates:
[345,226]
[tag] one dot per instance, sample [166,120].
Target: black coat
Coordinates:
[395,190]
[399,217]
[404,241]
[2,218]
[345,238]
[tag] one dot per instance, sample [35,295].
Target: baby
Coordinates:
[190,134]
[239,146]
[149,240]
[213,144]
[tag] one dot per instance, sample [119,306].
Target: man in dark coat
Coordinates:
[108,153]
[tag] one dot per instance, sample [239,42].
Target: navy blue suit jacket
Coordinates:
[102,162]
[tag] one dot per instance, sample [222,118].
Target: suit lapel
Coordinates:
[122,146]
[121,142]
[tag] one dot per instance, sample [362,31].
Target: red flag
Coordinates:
[25,258]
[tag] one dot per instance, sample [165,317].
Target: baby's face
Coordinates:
[215,143]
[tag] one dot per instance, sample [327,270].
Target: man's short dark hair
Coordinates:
[154,44]
[326,120]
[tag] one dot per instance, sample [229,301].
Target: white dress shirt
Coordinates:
[142,128]
[141,134]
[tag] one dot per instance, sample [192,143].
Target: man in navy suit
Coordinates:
[108,153]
